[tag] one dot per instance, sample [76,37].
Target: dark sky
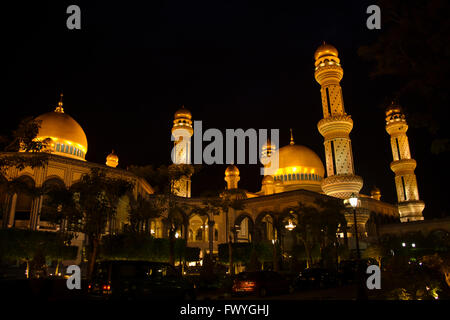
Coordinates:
[234,64]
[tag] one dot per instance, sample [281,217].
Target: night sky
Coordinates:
[234,64]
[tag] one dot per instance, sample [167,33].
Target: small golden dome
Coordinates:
[375,193]
[267,180]
[375,190]
[112,160]
[183,113]
[325,50]
[232,170]
[64,131]
[393,108]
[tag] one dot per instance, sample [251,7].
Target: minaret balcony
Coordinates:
[411,210]
[328,73]
[404,166]
[342,185]
[335,126]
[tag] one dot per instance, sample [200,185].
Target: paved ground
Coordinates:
[341,293]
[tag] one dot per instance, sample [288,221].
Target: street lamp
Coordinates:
[361,293]
[354,202]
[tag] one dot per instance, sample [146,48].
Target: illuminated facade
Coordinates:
[67,147]
[300,177]
[409,205]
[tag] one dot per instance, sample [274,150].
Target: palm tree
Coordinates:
[230,199]
[141,211]
[87,207]
[320,225]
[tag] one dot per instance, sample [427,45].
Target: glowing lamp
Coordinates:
[290,226]
[353,200]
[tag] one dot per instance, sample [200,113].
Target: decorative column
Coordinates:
[211,236]
[410,206]
[12,211]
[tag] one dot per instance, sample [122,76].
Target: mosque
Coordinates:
[301,177]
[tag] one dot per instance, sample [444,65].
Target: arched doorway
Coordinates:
[24,202]
[50,185]
[266,227]
[244,228]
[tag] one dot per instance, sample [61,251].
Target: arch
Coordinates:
[198,224]
[266,226]
[245,227]
[23,186]
[53,181]
[181,223]
[439,237]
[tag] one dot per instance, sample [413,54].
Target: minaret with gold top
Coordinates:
[409,205]
[182,132]
[335,126]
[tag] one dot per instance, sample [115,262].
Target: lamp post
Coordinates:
[361,292]
[354,202]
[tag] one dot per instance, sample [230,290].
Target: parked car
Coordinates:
[138,280]
[261,283]
[315,278]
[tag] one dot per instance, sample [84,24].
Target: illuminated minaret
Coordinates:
[335,126]
[181,154]
[409,205]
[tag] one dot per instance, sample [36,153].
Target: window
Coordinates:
[57,147]
[71,150]
[67,148]
[62,147]
[298,176]
[328,101]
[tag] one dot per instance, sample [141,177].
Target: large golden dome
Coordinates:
[67,137]
[299,168]
[302,158]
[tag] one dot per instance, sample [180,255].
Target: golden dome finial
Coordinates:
[325,50]
[292,138]
[183,113]
[60,108]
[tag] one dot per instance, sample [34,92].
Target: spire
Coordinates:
[60,108]
[292,138]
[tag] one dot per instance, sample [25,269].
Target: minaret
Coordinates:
[335,126]
[182,132]
[409,205]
